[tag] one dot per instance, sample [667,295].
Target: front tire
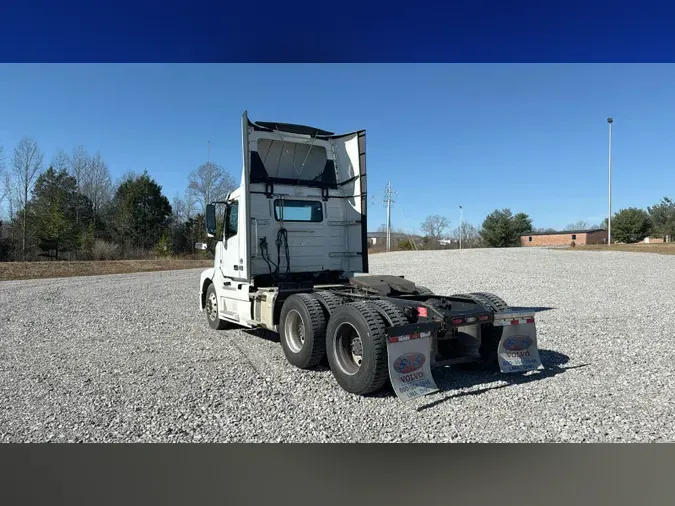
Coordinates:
[302,331]
[356,347]
[212,311]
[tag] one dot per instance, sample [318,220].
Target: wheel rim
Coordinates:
[294,329]
[348,348]
[212,307]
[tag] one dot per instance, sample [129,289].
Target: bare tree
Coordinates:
[79,162]
[180,208]
[3,188]
[184,207]
[8,192]
[434,226]
[470,235]
[190,205]
[578,225]
[96,182]
[129,175]
[27,164]
[209,183]
[61,161]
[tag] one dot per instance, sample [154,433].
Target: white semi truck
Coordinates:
[292,257]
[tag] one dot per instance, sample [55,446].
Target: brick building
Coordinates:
[656,240]
[564,238]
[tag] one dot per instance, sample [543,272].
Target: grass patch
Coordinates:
[61,269]
[662,248]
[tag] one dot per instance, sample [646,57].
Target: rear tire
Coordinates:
[423,290]
[394,315]
[490,335]
[212,310]
[497,303]
[329,300]
[356,346]
[302,331]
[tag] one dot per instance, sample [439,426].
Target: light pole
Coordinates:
[460,227]
[388,199]
[609,215]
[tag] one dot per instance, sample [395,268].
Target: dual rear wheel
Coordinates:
[352,336]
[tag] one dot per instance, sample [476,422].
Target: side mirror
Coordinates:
[210,220]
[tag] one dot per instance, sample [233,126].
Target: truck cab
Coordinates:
[298,217]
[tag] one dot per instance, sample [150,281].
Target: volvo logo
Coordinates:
[517,343]
[409,362]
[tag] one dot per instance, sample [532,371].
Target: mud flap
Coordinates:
[518,351]
[409,357]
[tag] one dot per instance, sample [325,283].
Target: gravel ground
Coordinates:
[130,358]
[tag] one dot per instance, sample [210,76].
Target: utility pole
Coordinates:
[609,214]
[388,200]
[460,227]
[208,156]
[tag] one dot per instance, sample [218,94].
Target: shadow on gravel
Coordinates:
[535,309]
[552,361]
[449,379]
[273,337]
[265,334]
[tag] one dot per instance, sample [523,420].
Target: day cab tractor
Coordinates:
[291,257]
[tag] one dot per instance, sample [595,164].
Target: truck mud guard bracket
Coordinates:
[403,332]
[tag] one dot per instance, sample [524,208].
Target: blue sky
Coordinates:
[529,137]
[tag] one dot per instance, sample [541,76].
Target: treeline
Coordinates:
[501,228]
[633,224]
[71,208]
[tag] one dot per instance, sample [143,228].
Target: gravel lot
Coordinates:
[130,358]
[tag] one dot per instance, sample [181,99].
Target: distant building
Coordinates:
[564,238]
[375,238]
[656,240]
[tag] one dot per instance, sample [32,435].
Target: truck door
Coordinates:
[232,264]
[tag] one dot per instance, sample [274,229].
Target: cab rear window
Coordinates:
[298,210]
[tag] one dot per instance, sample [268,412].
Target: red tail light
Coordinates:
[529,320]
[483,318]
[457,321]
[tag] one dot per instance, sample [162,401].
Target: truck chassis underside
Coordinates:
[383,314]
